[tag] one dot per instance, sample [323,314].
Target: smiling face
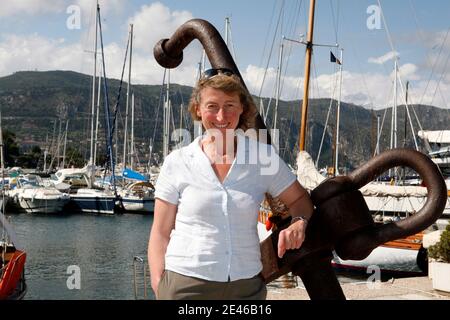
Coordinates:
[219,110]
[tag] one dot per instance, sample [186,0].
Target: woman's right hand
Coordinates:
[163,224]
[155,284]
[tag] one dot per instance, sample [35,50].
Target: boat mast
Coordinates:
[58,146]
[2,159]
[393,142]
[107,114]
[166,118]
[98,112]
[336,171]
[132,133]
[309,46]
[278,87]
[377,148]
[227,26]
[125,139]
[65,143]
[94,74]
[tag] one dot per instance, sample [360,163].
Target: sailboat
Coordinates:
[403,256]
[138,195]
[12,263]
[12,258]
[80,182]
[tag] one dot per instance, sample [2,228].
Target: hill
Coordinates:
[35,104]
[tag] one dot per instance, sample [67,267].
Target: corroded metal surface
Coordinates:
[341,220]
[362,243]
[169,52]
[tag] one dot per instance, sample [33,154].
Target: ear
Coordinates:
[197,111]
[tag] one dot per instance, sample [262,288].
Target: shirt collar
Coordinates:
[200,162]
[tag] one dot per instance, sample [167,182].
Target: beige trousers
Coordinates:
[175,286]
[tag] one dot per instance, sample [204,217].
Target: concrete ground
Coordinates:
[415,288]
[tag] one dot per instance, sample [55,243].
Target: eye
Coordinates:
[231,106]
[212,107]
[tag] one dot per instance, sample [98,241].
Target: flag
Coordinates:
[334,59]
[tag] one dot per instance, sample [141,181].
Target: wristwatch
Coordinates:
[296,218]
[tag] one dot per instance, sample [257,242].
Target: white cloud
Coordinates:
[35,52]
[408,71]
[30,7]
[384,58]
[150,24]
[88,6]
[155,22]
[372,90]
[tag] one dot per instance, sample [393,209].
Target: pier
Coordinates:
[414,288]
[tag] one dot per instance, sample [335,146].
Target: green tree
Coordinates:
[74,158]
[11,149]
[441,250]
[29,159]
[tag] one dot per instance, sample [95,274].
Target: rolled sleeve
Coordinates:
[282,179]
[166,186]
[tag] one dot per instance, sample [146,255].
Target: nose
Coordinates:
[220,114]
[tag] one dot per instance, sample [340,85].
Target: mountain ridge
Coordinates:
[32,102]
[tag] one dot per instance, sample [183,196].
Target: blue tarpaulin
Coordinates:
[130,174]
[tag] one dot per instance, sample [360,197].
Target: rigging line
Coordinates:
[288,54]
[266,112]
[335,25]
[288,133]
[107,116]
[294,23]
[422,38]
[161,93]
[399,75]
[293,18]
[315,76]
[440,79]
[182,104]
[232,44]
[358,62]
[377,147]
[268,32]
[445,100]
[382,122]
[116,107]
[271,49]
[434,65]
[326,121]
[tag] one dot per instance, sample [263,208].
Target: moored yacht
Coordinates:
[33,197]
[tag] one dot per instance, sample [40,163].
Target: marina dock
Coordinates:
[414,288]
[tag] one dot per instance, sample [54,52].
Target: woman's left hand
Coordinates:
[291,237]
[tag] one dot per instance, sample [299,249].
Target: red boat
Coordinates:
[12,263]
[12,276]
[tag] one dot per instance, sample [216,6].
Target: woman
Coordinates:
[204,242]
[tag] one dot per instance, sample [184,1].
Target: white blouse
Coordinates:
[215,236]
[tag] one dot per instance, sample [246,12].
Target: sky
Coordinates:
[59,35]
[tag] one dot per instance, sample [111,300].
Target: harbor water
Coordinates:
[98,248]
[101,249]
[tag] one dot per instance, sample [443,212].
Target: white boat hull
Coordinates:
[41,200]
[92,201]
[43,205]
[394,204]
[387,259]
[138,205]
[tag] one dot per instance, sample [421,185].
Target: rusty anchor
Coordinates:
[341,219]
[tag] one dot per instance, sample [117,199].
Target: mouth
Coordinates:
[221,126]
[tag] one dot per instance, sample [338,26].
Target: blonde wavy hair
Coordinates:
[229,84]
